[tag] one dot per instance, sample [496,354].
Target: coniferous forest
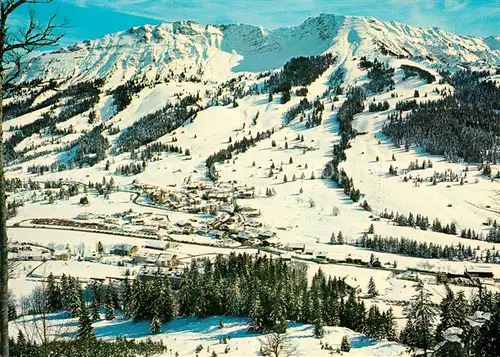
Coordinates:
[80,98]
[462,126]
[352,106]
[379,73]
[124,93]
[91,147]
[269,292]
[234,148]
[153,126]
[414,248]
[299,71]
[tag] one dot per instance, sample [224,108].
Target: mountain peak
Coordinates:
[218,51]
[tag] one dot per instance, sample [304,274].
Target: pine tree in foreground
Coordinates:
[372,289]
[319,331]
[155,324]
[94,311]
[110,311]
[54,302]
[419,330]
[389,325]
[85,330]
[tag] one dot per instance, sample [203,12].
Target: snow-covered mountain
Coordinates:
[217,51]
[375,168]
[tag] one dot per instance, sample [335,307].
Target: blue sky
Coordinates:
[93,18]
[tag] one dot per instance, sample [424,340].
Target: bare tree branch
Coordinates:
[19,43]
[11,5]
[14,47]
[34,36]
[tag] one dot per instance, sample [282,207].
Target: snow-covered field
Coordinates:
[184,335]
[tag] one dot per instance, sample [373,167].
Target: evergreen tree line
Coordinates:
[272,291]
[379,73]
[268,291]
[492,236]
[494,233]
[91,147]
[14,184]
[316,116]
[414,248]
[62,131]
[236,147]
[299,71]
[313,119]
[189,99]
[421,222]
[153,126]
[416,166]
[41,169]
[86,347]
[302,92]
[464,125]
[378,107]
[131,169]
[16,108]
[351,106]
[412,71]
[123,94]
[294,111]
[405,105]
[148,153]
[12,207]
[80,98]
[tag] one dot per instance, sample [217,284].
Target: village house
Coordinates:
[151,271]
[479,271]
[150,230]
[247,193]
[203,230]
[266,234]
[138,221]
[297,247]
[124,249]
[321,256]
[27,255]
[309,252]
[111,220]
[217,234]
[252,223]
[243,236]
[272,242]
[156,245]
[227,208]
[351,259]
[167,260]
[145,258]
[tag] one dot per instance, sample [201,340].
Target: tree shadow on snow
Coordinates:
[362,341]
[233,327]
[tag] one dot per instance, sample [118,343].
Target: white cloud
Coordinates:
[454,15]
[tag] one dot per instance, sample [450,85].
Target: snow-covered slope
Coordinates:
[215,52]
